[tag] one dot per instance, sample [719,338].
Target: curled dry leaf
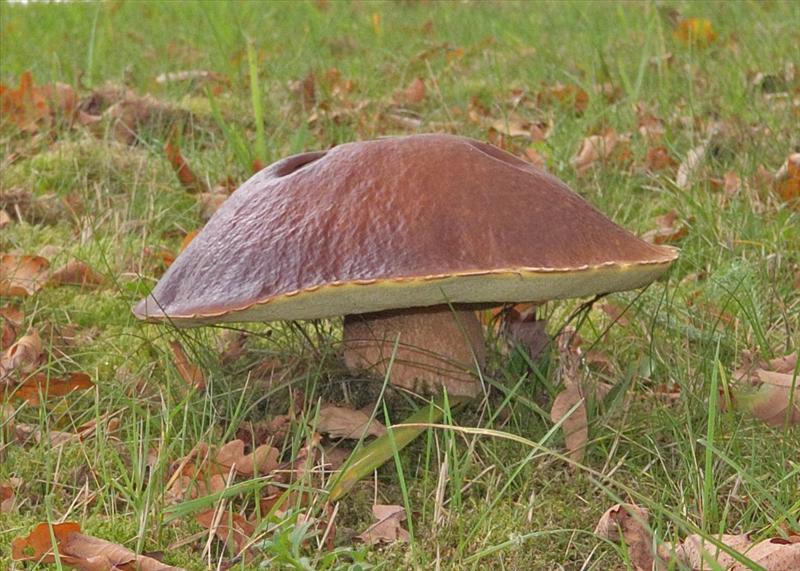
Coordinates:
[272,431]
[262,460]
[787,180]
[23,356]
[415,92]
[387,529]
[11,319]
[629,523]
[595,148]
[514,125]
[190,181]
[189,372]
[8,491]
[230,528]
[574,423]
[729,183]
[769,391]
[689,166]
[77,273]
[83,552]
[658,158]
[696,551]
[774,554]
[564,94]
[520,325]
[342,422]
[22,275]
[669,230]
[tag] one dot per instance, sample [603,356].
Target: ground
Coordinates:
[534,78]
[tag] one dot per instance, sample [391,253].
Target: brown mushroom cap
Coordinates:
[395,223]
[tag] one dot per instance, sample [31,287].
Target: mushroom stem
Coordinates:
[428,348]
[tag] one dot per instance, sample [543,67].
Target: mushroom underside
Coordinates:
[424,350]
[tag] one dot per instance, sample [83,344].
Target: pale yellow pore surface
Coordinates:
[500,286]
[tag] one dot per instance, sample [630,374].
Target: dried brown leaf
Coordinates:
[83,552]
[38,386]
[575,423]
[593,149]
[628,523]
[262,460]
[22,275]
[774,554]
[77,273]
[658,158]
[8,491]
[228,527]
[769,391]
[342,422]
[23,356]
[696,552]
[414,93]
[189,372]
[669,230]
[787,180]
[387,529]
[190,181]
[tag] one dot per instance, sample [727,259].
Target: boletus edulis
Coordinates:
[404,237]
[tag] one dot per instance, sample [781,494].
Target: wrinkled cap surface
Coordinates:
[392,223]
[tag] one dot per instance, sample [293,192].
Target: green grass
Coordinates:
[477,498]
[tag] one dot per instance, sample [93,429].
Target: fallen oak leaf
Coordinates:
[84,552]
[343,422]
[38,386]
[263,460]
[387,529]
[76,273]
[22,275]
[30,106]
[228,527]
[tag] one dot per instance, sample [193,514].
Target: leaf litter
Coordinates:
[628,523]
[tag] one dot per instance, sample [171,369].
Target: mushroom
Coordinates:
[404,237]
